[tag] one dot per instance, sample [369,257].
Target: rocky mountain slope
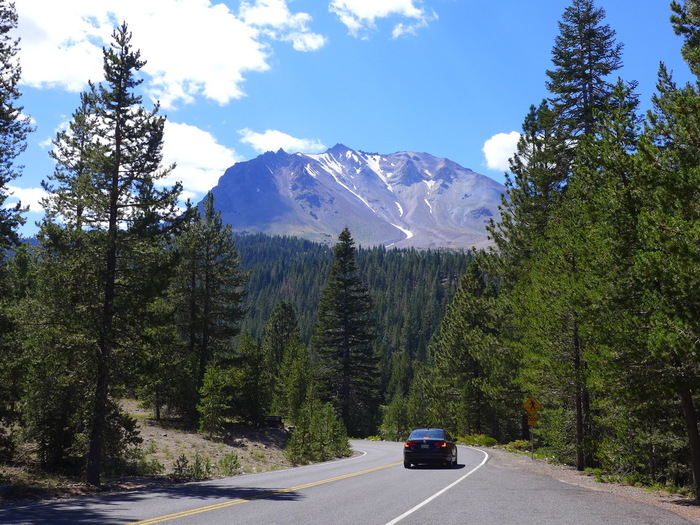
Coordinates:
[399,200]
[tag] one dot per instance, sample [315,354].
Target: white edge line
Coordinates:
[448,487]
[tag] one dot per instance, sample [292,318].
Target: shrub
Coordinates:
[518,445]
[318,436]
[229,465]
[477,440]
[200,468]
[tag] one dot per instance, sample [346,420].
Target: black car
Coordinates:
[429,446]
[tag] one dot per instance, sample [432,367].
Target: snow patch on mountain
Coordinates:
[399,199]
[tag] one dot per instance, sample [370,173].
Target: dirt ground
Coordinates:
[165,443]
[258,450]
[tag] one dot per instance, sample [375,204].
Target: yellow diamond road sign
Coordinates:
[532,406]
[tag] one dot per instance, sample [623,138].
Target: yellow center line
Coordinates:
[262,495]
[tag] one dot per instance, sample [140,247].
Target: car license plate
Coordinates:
[425,446]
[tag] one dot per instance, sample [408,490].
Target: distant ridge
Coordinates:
[403,199]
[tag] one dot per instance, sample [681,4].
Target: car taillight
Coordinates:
[440,444]
[408,444]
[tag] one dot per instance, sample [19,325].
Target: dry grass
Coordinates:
[165,443]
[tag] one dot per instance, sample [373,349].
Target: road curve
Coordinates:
[370,488]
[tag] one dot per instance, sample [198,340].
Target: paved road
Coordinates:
[373,488]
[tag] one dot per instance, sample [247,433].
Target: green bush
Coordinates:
[518,445]
[319,435]
[198,470]
[477,440]
[229,465]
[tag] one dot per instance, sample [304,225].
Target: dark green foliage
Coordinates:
[473,373]
[318,436]
[207,292]
[686,22]
[282,269]
[395,419]
[295,379]
[584,55]
[14,126]
[109,249]
[410,288]
[17,277]
[214,401]
[279,331]
[343,339]
[252,386]
[547,252]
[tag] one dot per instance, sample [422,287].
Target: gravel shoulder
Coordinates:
[687,508]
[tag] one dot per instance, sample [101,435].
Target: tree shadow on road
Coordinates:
[117,507]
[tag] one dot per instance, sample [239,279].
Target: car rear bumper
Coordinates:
[429,456]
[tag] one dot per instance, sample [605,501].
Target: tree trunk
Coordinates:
[691,424]
[579,401]
[94,459]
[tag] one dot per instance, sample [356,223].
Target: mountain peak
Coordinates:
[401,199]
[338,149]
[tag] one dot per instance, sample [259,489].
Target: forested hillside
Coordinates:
[410,288]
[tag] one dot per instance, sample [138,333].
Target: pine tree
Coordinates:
[14,126]
[545,259]
[117,221]
[343,339]
[296,378]
[253,383]
[584,55]
[214,401]
[539,170]
[280,329]
[17,276]
[473,371]
[668,260]
[208,295]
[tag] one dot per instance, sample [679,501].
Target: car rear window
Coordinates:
[429,433]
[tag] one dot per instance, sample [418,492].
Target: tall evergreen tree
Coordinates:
[668,260]
[584,56]
[343,339]
[541,239]
[105,188]
[539,171]
[14,126]
[208,293]
[253,381]
[295,383]
[474,374]
[280,329]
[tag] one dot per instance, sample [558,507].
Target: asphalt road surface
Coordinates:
[372,488]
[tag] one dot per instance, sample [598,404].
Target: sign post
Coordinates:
[532,406]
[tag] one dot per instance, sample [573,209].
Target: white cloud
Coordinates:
[26,118]
[200,159]
[273,140]
[361,15]
[62,43]
[499,149]
[274,17]
[28,196]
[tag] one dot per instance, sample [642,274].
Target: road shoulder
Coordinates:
[687,508]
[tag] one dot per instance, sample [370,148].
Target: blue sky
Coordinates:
[453,78]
